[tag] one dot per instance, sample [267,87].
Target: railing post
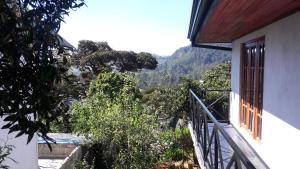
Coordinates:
[190,105]
[216,150]
[205,138]
[200,115]
[194,115]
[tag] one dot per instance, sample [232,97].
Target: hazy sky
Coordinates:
[155,26]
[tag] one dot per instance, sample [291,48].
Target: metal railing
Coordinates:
[209,132]
[217,102]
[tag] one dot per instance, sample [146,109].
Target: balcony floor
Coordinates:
[227,151]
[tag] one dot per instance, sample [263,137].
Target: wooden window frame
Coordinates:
[251,85]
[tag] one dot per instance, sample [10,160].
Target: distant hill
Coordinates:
[161,59]
[187,61]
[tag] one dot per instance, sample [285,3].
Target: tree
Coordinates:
[102,58]
[215,87]
[28,69]
[95,58]
[187,62]
[170,103]
[218,77]
[87,47]
[113,116]
[146,60]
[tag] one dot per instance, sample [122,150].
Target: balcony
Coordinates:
[217,143]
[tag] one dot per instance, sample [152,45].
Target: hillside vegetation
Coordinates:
[188,62]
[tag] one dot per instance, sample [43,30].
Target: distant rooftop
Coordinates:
[63,138]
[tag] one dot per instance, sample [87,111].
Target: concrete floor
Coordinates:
[50,163]
[226,149]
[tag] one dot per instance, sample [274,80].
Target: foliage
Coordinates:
[113,116]
[163,101]
[177,145]
[102,58]
[72,87]
[146,61]
[93,157]
[83,164]
[87,47]
[217,78]
[63,124]
[93,58]
[170,103]
[28,69]
[189,62]
[5,151]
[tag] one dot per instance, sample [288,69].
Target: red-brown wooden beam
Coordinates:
[231,19]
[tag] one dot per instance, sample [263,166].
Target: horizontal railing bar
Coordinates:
[223,96]
[234,146]
[217,90]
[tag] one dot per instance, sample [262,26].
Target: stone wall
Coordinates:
[58,150]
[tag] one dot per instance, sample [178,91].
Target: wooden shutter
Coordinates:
[251,83]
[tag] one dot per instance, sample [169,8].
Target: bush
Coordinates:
[170,103]
[84,165]
[217,78]
[176,145]
[112,115]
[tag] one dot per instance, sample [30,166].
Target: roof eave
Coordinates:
[200,12]
[63,43]
[193,13]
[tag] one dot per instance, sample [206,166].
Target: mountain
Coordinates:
[160,59]
[190,62]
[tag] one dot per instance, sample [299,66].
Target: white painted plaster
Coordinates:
[280,142]
[25,155]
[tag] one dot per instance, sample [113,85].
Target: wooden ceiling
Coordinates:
[231,19]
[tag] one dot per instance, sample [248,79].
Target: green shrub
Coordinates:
[84,165]
[176,145]
[113,116]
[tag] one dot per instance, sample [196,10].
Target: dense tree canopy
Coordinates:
[102,58]
[216,87]
[91,59]
[28,69]
[170,103]
[87,47]
[218,77]
[112,115]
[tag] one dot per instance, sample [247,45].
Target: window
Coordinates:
[251,83]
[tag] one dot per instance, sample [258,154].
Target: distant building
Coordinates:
[65,44]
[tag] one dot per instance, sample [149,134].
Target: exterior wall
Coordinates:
[280,143]
[25,155]
[58,150]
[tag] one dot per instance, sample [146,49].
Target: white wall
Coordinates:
[25,155]
[280,142]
